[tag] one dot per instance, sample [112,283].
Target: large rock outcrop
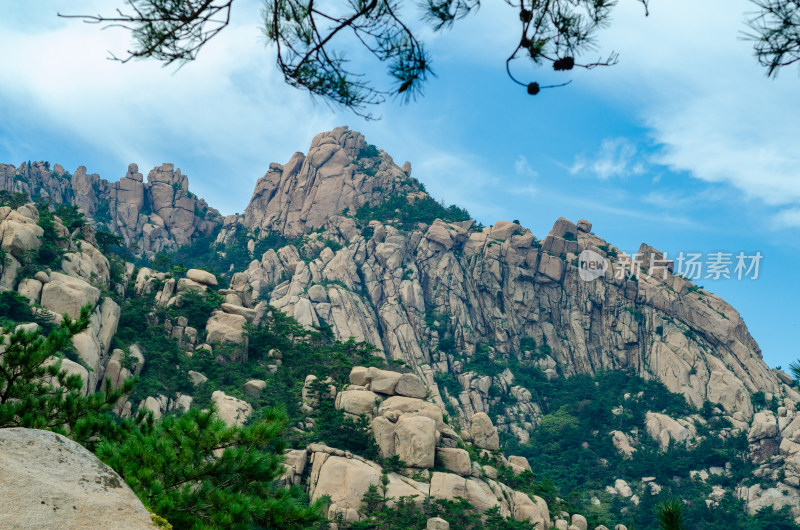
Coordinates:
[158,215]
[49,481]
[338,174]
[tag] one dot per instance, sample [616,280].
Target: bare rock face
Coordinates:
[19,232]
[415,441]
[756,498]
[345,478]
[254,387]
[157,215]
[339,173]
[500,284]
[66,295]
[357,402]
[225,327]
[455,460]
[49,481]
[665,430]
[202,277]
[234,412]
[622,443]
[484,434]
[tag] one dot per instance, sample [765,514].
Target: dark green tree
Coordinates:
[794,369]
[36,393]
[198,473]
[670,515]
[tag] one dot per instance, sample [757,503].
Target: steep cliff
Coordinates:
[443,295]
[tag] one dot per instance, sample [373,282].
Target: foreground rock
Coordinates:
[49,481]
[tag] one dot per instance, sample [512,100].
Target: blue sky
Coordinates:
[684,145]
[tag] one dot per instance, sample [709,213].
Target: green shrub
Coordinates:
[410,212]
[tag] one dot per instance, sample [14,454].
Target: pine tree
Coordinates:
[36,393]
[670,515]
[197,472]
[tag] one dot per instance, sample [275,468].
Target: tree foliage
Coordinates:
[192,469]
[775,32]
[197,472]
[35,392]
[314,40]
[670,515]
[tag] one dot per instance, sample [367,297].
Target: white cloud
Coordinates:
[230,106]
[696,85]
[787,218]
[523,168]
[617,157]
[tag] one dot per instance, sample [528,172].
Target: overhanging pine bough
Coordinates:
[305,32]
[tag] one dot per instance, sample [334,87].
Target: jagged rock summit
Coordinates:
[341,173]
[154,216]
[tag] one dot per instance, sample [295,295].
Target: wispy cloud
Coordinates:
[706,102]
[523,168]
[787,218]
[617,157]
[214,112]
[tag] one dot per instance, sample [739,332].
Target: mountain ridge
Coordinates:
[342,238]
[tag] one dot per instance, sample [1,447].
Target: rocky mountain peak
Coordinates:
[154,216]
[340,173]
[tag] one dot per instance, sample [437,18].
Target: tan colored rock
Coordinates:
[622,443]
[202,277]
[533,509]
[234,412]
[153,405]
[115,370]
[415,441]
[89,264]
[622,488]
[455,460]
[757,498]
[519,464]
[405,405]
[49,481]
[71,368]
[224,327]
[345,480]
[30,288]
[248,314]
[254,387]
[66,295]
[411,385]
[383,430]
[666,430]
[358,375]
[765,425]
[579,521]
[483,432]
[197,378]
[447,486]
[19,233]
[357,402]
[437,523]
[383,381]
